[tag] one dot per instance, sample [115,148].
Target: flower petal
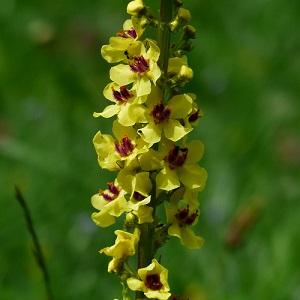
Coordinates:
[186,236]
[196,150]
[122,75]
[167,180]
[151,133]
[124,117]
[142,86]
[103,218]
[174,131]
[108,112]
[180,105]
[193,176]
[150,160]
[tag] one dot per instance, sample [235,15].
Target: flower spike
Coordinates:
[155,161]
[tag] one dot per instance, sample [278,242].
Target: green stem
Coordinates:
[164,34]
[146,244]
[146,247]
[164,41]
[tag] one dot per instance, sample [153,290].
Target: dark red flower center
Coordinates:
[176,157]
[139,64]
[160,113]
[195,116]
[153,282]
[130,33]
[122,95]
[138,197]
[112,192]
[185,218]
[125,147]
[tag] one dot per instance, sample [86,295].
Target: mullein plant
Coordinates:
[158,176]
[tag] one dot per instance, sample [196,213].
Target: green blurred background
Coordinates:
[247,80]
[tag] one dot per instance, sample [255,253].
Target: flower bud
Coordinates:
[186,73]
[184,14]
[135,7]
[174,25]
[187,46]
[115,266]
[143,22]
[125,275]
[130,218]
[189,32]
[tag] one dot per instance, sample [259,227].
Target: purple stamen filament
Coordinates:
[174,158]
[160,113]
[139,64]
[113,192]
[195,116]
[122,95]
[138,197]
[125,147]
[130,33]
[185,218]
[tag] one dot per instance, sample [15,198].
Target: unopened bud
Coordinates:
[135,7]
[115,266]
[174,25]
[184,14]
[143,22]
[186,73]
[130,218]
[125,275]
[187,46]
[189,32]
[178,53]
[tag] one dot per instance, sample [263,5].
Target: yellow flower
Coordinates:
[181,218]
[124,245]
[177,164]
[165,118]
[111,203]
[143,212]
[115,51]
[141,70]
[139,185]
[194,115]
[133,181]
[127,106]
[113,154]
[153,281]
[138,211]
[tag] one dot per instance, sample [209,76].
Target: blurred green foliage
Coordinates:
[246,63]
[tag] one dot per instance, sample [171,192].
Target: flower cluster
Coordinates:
[155,162]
